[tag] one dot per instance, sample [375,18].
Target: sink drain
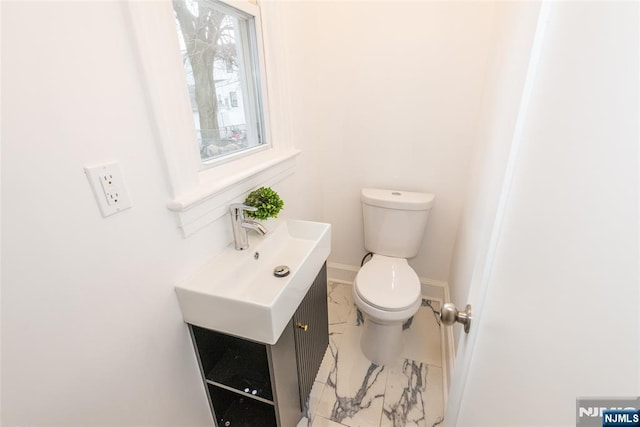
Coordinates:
[281,271]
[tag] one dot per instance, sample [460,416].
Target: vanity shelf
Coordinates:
[260,385]
[241,411]
[242,365]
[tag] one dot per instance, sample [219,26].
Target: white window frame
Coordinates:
[201,194]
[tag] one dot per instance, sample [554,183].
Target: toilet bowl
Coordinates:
[387,292]
[386,289]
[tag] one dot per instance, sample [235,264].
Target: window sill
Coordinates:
[230,183]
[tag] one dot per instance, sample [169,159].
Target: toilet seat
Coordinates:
[388,284]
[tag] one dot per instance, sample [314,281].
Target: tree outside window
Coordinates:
[218,56]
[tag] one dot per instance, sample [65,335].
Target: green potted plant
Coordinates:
[266,200]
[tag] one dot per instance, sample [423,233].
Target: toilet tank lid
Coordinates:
[397,199]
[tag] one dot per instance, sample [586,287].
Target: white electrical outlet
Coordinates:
[109,188]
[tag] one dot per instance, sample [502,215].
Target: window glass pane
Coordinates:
[218,49]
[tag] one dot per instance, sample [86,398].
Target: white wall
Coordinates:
[561,314]
[515,29]
[391,95]
[293,22]
[91,330]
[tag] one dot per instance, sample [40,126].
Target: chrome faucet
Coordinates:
[240,225]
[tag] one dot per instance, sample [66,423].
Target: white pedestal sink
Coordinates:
[237,293]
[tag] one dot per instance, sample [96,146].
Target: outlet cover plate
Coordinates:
[107,183]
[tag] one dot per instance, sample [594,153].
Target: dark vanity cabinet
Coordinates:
[311,333]
[251,384]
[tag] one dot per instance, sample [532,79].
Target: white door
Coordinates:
[555,287]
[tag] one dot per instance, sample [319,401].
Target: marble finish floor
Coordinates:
[351,391]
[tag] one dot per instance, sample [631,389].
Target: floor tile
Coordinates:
[413,395]
[327,365]
[323,422]
[422,339]
[350,391]
[340,302]
[354,391]
[304,422]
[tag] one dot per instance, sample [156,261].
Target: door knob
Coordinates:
[302,326]
[450,315]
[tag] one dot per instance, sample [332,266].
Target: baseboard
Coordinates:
[449,354]
[434,289]
[341,273]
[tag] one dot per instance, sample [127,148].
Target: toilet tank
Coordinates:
[394,221]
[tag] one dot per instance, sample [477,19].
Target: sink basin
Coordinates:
[237,293]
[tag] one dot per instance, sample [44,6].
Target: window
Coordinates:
[200,194]
[219,55]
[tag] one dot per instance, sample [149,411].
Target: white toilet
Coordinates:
[386,289]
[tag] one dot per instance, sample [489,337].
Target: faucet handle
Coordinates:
[235,207]
[237,211]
